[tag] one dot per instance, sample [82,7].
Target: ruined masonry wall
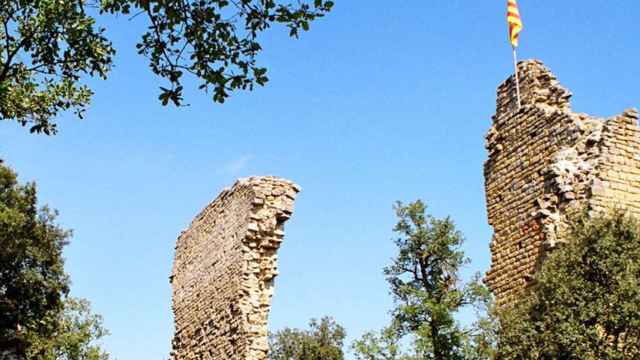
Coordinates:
[545,160]
[224,268]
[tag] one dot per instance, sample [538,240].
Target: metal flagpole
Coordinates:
[515,65]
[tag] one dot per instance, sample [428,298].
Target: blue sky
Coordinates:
[380,101]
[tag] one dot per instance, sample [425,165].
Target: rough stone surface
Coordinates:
[224,268]
[545,160]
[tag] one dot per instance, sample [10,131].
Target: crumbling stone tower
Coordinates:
[224,268]
[543,161]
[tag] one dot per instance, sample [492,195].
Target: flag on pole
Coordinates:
[515,23]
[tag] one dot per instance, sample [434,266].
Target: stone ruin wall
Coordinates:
[543,161]
[224,268]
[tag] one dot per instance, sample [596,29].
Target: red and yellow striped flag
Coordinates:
[515,23]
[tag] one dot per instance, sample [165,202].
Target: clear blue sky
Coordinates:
[380,101]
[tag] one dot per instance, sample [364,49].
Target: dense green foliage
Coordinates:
[35,314]
[32,278]
[425,283]
[75,338]
[47,47]
[586,300]
[322,341]
[382,345]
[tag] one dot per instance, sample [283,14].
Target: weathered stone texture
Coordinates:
[224,268]
[543,161]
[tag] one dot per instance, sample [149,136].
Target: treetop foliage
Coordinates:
[323,340]
[382,345]
[214,40]
[47,47]
[425,283]
[76,336]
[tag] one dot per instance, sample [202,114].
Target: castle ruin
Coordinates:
[545,160]
[223,272]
